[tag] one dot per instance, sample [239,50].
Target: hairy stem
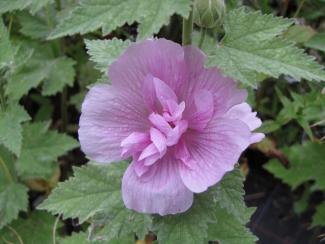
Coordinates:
[187,30]
[301,4]
[6,171]
[203,33]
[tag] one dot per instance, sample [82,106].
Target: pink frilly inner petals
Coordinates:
[135,142]
[175,133]
[156,91]
[203,110]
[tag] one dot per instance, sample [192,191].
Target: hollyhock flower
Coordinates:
[184,126]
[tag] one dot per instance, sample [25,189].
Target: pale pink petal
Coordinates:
[158,139]
[162,191]
[213,152]
[224,90]
[244,113]
[203,101]
[160,58]
[256,137]
[106,119]
[175,134]
[136,141]
[160,123]
[148,151]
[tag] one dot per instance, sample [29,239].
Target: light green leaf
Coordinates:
[90,15]
[13,198]
[33,26]
[7,50]
[319,216]
[104,52]
[33,5]
[10,5]
[119,223]
[55,72]
[60,74]
[10,127]
[299,33]
[317,42]
[307,162]
[250,47]
[40,150]
[229,230]
[37,5]
[189,227]
[82,238]
[36,229]
[98,187]
[230,195]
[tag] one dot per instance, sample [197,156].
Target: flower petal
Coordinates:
[213,152]
[224,90]
[244,113]
[162,191]
[160,58]
[203,101]
[106,119]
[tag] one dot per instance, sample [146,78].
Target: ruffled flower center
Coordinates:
[167,125]
[165,131]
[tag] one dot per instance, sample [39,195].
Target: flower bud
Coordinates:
[209,13]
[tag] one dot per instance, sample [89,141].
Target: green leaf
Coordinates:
[81,238]
[218,214]
[250,47]
[40,150]
[33,26]
[104,52]
[35,229]
[189,227]
[319,216]
[10,5]
[54,72]
[307,162]
[13,198]
[37,5]
[299,33]
[7,50]
[33,5]
[10,127]
[118,223]
[60,74]
[90,15]
[229,230]
[230,195]
[317,42]
[97,187]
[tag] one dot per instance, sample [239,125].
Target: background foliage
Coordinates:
[52,51]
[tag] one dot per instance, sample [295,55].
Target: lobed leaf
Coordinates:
[251,47]
[40,150]
[90,15]
[13,198]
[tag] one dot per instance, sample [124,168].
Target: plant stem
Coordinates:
[58,4]
[11,19]
[6,171]
[203,33]
[54,229]
[299,8]
[16,234]
[64,109]
[187,30]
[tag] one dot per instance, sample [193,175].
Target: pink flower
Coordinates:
[184,126]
